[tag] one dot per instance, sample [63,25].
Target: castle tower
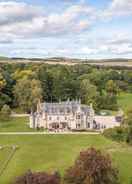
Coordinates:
[39,106]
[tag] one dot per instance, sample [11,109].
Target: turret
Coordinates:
[39,106]
[91,110]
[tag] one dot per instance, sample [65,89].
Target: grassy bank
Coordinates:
[16,124]
[125,101]
[58,152]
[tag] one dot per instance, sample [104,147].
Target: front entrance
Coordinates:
[54,125]
[59,126]
[63,125]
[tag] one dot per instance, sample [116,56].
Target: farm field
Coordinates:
[58,152]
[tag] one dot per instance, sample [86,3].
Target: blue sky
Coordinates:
[66,28]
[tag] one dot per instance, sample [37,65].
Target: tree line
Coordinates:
[22,85]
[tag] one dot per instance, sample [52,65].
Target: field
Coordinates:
[67,61]
[125,101]
[15,125]
[58,152]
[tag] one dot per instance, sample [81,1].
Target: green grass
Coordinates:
[15,125]
[58,152]
[4,152]
[125,101]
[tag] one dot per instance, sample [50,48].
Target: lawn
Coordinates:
[4,152]
[125,101]
[58,152]
[16,124]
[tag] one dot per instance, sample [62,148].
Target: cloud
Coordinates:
[13,12]
[24,20]
[118,45]
[5,41]
[29,30]
[119,8]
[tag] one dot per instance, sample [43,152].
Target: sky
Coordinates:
[66,28]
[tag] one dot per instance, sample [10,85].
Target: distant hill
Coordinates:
[118,62]
[3,58]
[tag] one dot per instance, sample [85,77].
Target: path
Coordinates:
[49,133]
[19,115]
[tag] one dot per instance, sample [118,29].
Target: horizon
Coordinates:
[80,29]
[65,57]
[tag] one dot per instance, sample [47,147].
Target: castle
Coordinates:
[66,115]
[71,115]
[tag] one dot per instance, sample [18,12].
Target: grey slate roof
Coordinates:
[65,107]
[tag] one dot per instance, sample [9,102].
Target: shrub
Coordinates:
[38,178]
[117,133]
[129,136]
[5,113]
[92,167]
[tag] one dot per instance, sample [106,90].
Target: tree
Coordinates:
[128,123]
[23,74]
[2,82]
[28,93]
[128,120]
[4,99]
[92,167]
[5,113]
[88,92]
[111,88]
[46,82]
[38,178]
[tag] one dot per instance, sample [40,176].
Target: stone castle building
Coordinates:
[66,115]
[71,115]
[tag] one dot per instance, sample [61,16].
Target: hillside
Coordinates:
[127,63]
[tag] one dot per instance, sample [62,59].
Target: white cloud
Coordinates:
[20,23]
[24,20]
[119,8]
[12,12]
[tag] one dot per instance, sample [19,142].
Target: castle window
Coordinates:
[65,118]
[78,117]
[61,110]
[50,118]
[88,125]
[68,110]
[78,125]
[57,118]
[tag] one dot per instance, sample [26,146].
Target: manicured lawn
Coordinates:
[125,101]
[58,152]
[4,152]
[15,125]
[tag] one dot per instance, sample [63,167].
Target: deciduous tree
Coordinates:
[38,178]
[88,92]
[92,167]
[5,112]
[111,88]
[27,93]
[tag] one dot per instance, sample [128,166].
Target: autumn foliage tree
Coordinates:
[27,93]
[38,178]
[92,167]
